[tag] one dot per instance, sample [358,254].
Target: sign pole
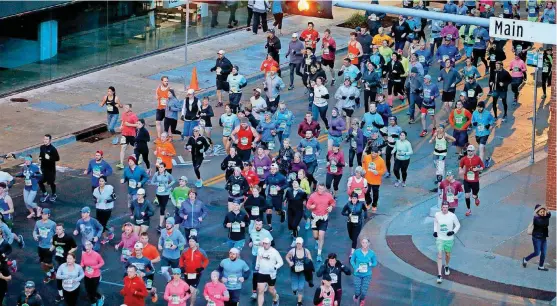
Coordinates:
[534,114]
[186,42]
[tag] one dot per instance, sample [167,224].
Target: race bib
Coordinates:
[255,211]
[175,300]
[88,270]
[271,146]
[326,51]
[431,111]
[59,251]
[421,58]
[545,69]
[492,57]
[28,182]
[159,161]
[123,140]
[273,190]
[477,40]
[334,278]
[362,268]
[299,267]
[354,218]
[109,108]
[232,280]
[506,11]
[97,172]
[480,128]
[132,184]
[516,69]
[235,189]
[226,130]
[470,176]
[371,166]
[260,171]
[167,243]
[368,128]
[308,61]
[235,228]
[458,120]
[532,10]
[358,191]
[327,301]
[179,202]
[390,139]
[450,197]
[191,275]
[282,125]
[163,101]
[471,93]
[126,252]
[439,146]
[333,167]
[244,141]
[353,143]
[67,284]
[309,150]
[43,232]
[193,232]
[161,188]
[139,221]
[211,303]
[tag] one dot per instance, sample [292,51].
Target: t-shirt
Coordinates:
[62,246]
[449,192]
[468,164]
[130,118]
[150,252]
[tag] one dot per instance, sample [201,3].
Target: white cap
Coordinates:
[234,250]
[295,35]
[471,148]
[221,52]
[372,17]
[258,90]
[300,240]
[266,240]
[140,191]
[191,91]
[138,245]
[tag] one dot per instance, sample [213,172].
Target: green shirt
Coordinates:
[179,194]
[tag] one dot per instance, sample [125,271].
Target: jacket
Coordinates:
[190,109]
[174,238]
[284,120]
[482,122]
[236,82]
[369,164]
[237,186]
[48,164]
[190,213]
[295,52]
[193,261]
[260,6]
[335,272]
[305,126]
[134,291]
[414,85]
[394,71]
[164,182]
[33,300]
[134,178]
[273,45]
[273,86]
[346,97]
[228,164]
[541,224]
[449,78]
[138,208]
[198,146]
[226,67]
[212,290]
[336,126]
[445,52]
[173,107]
[466,33]
[499,76]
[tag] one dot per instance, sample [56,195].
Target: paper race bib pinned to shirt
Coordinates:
[59,251]
[161,188]
[299,267]
[309,150]
[334,278]
[255,211]
[191,275]
[458,120]
[470,176]
[226,130]
[167,243]
[43,232]
[273,190]
[450,197]
[175,300]
[28,182]
[244,141]
[363,267]
[354,218]
[163,101]
[235,189]
[109,108]
[421,59]
[232,280]
[471,93]
[431,111]
[132,184]
[260,170]
[235,228]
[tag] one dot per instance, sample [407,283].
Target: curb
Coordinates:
[102,127]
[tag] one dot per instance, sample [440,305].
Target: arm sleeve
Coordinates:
[456,224]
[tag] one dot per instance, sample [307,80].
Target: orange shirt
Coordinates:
[353,52]
[150,252]
[162,97]
[369,164]
[378,39]
[268,64]
[169,150]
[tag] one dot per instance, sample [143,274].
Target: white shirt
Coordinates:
[444,223]
[5,177]
[268,261]
[318,92]
[258,105]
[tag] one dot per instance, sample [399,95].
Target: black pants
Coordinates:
[49,177]
[196,163]
[395,88]
[250,16]
[372,198]
[171,123]
[163,201]
[91,287]
[214,15]
[479,54]
[257,18]
[546,81]
[333,179]
[274,104]
[278,20]
[436,43]
[137,151]
[351,154]
[103,215]
[297,69]
[503,99]
[388,155]
[401,166]
[295,214]
[515,85]
[369,96]
[354,230]
[70,297]
[232,7]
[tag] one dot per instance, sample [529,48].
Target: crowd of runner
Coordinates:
[268,174]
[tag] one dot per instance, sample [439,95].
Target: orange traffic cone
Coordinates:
[194,83]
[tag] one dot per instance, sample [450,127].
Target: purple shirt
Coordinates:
[262,166]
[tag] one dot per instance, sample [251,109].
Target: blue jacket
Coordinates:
[548,16]
[385,111]
[173,107]
[481,36]
[359,261]
[482,122]
[447,51]
[425,58]
[449,78]
[450,8]
[430,93]
[175,238]
[357,139]
[31,175]
[304,146]
[191,213]
[276,179]
[354,210]
[265,129]
[97,170]
[164,182]
[371,123]
[284,120]
[138,175]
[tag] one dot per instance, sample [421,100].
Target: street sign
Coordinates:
[172,3]
[523,30]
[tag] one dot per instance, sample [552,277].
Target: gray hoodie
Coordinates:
[295,52]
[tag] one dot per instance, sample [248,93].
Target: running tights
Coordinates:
[388,155]
[361,284]
[295,215]
[479,54]
[504,100]
[401,166]
[333,179]
[70,297]
[103,215]
[351,154]
[196,162]
[144,152]
[373,199]
[354,230]
[91,286]
[546,81]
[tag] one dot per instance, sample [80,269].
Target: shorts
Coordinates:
[320,225]
[328,63]
[266,278]
[167,262]
[482,139]
[221,85]
[141,222]
[461,138]
[424,110]
[448,96]
[348,112]
[130,140]
[234,295]
[471,186]
[297,281]
[194,282]
[159,115]
[45,255]
[444,245]
[335,139]
[232,198]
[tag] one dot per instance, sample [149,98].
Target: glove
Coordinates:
[277,87]
[450,233]
[265,88]
[351,98]
[199,270]
[487,126]
[474,123]
[343,97]
[182,118]
[435,234]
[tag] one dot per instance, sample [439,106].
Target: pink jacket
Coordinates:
[450,30]
[182,290]
[128,242]
[211,289]
[517,67]
[91,260]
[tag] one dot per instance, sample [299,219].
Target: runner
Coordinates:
[334,269]
[236,82]
[129,239]
[402,151]
[449,191]
[262,164]
[355,51]
[414,86]
[275,185]
[135,177]
[298,258]
[128,126]
[372,122]
[268,64]
[236,222]
[141,148]
[466,33]
[320,203]
[267,264]
[362,261]
[71,275]
[92,262]
[310,37]
[445,225]
[112,103]
[31,174]
[346,96]
[245,137]
[336,128]
[229,122]
[355,211]
[335,166]
[295,51]
[308,124]
[177,291]
[5,277]
[192,262]
[375,167]
[251,177]
[450,78]
[483,123]
[62,245]
[400,31]
[372,83]
[255,204]
[150,252]
[89,228]
[162,95]
[481,37]
[222,68]
[258,105]
[257,234]
[283,118]
[197,145]
[30,295]
[192,212]
[295,198]
[442,140]
[144,266]
[164,151]
[460,120]
[473,92]
[42,233]
[170,243]
[267,128]
[547,70]
[98,167]
[328,47]
[178,195]
[104,203]
[430,93]
[142,211]
[173,109]
[230,162]
[164,182]
[517,69]
[470,167]
[310,148]
[272,85]
[48,157]
[393,72]
[499,81]
[134,291]
[206,124]
[233,272]
[237,187]
[215,292]
[356,139]
[425,56]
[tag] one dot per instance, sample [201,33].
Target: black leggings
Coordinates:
[546,81]
[70,297]
[196,162]
[388,155]
[250,16]
[171,124]
[504,100]
[373,199]
[515,86]
[479,54]
[354,230]
[103,215]
[295,214]
[395,88]
[369,96]
[257,18]
[163,200]
[143,152]
[295,68]
[333,179]
[278,20]
[402,166]
[351,154]
[49,178]
[91,287]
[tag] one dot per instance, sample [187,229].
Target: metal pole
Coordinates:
[534,113]
[186,41]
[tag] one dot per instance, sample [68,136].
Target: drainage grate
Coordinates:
[19,100]
[90,134]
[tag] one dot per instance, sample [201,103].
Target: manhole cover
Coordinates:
[19,100]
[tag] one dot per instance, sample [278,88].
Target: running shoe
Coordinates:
[13,265]
[544,96]
[100,302]
[270,228]
[412,121]
[199,183]
[487,162]
[524,262]
[423,133]
[219,104]
[254,295]
[282,216]
[159,228]
[477,201]
[319,258]
[156,201]
[39,211]
[468,213]
[504,118]
[387,175]
[104,241]
[362,302]
[276,303]
[439,279]
[120,166]
[53,198]
[433,131]
[397,183]
[155,298]
[44,198]
[21,242]
[543,269]
[447,271]
[115,140]
[403,184]
[373,209]
[290,87]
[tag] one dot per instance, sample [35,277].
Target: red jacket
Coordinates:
[191,260]
[304,126]
[134,291]
[251,177]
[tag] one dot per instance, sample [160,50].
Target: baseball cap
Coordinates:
[100,152]
[29,284]
[140,191]
[85,210]
[358,29]
[234,250]
[221,52]
[28,158]
[300,240]
[46,211]
[138,245]
[183,178]
[170,221]
[449,173]
[176,271]
[258,90]
[191,91]
[271,31]
[295,35]
[266,240]
[427,77]
[471,148]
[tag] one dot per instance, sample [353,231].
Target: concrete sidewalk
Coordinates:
[66,108]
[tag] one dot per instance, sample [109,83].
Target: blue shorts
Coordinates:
[335,139]
[461,138]
[298,281]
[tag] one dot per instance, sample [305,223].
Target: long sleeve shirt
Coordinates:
[44,231]
[168,240]
[482,122]
[363,262]
[98,169]
[310,149]
[216,292]
[177,293]
[91,262]
[135,179]
[402,150]
[337,126]
[134,291]
[70,279]
[31,175]
[88,229]
[190,212]
[450,78]
[48,155]
[126,245]
[295,52]
[314,127]
[268,261]
[164,182]
[444,223]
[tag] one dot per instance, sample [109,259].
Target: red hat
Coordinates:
[100,152]
[399,51]
[133,158]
